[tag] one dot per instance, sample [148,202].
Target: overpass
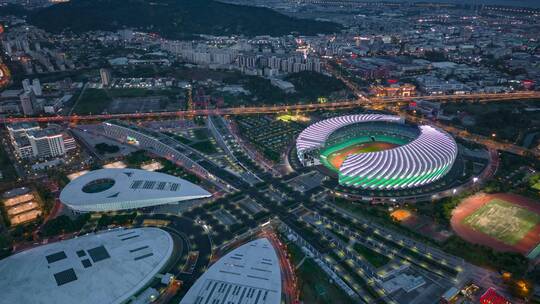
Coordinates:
[518,95]
[274,109]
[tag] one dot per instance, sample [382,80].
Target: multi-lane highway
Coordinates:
[361,101]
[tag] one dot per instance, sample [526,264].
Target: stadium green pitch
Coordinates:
[334,156]
[502,220]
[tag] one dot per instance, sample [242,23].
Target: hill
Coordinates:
[173,18]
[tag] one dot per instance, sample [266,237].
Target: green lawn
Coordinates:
[93,101]
[315,285]
[128,92]
[328,153]
[534,181]
[374,258]
[206,147]
[340,236]
[502,220]
[370,149]
[6,167]
[179,138]
[201,134]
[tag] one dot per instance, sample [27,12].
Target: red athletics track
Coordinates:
[471,204]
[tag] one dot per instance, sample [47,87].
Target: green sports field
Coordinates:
[334,156]
[502,220]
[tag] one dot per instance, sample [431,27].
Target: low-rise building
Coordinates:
[283,85]
[394,90]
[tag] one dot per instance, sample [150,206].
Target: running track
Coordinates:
[471,204]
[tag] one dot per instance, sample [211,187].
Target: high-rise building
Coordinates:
[36,87]
[29,140]
[27,87]
[105,77]
[69,142]
[28,101]
[47,142]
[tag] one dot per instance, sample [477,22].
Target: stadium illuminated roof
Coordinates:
[423,160]
[315,136]
[117,189]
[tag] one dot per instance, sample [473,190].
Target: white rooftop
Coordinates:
[117,189]
[105,268]
[249,274]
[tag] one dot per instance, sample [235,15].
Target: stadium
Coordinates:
[375,152]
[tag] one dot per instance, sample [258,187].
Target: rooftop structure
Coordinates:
[106,268]
[491,296]
[250,274]
[21,127]
[117,189]
[22,208]
[159,144]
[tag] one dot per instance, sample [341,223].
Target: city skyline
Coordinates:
[269,151]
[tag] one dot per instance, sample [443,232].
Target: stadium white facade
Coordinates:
[425,156]
[119,189]
[108,268]
[250,274]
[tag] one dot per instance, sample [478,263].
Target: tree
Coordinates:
[435,56]
[5,245]
[103,148]
[64,224]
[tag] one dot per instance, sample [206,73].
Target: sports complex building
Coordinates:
[250,274]
[111,267]
[119,189]
[375,152]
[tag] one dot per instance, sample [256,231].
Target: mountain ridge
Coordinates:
[173,18]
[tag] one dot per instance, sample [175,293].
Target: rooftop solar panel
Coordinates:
[98,253]
[86,263]
[130,237]
[55,257]
[143,256]
[161,185]
[64,277]
[137,249]
[149,185]
[136,184]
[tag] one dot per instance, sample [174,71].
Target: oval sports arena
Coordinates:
[377,152]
